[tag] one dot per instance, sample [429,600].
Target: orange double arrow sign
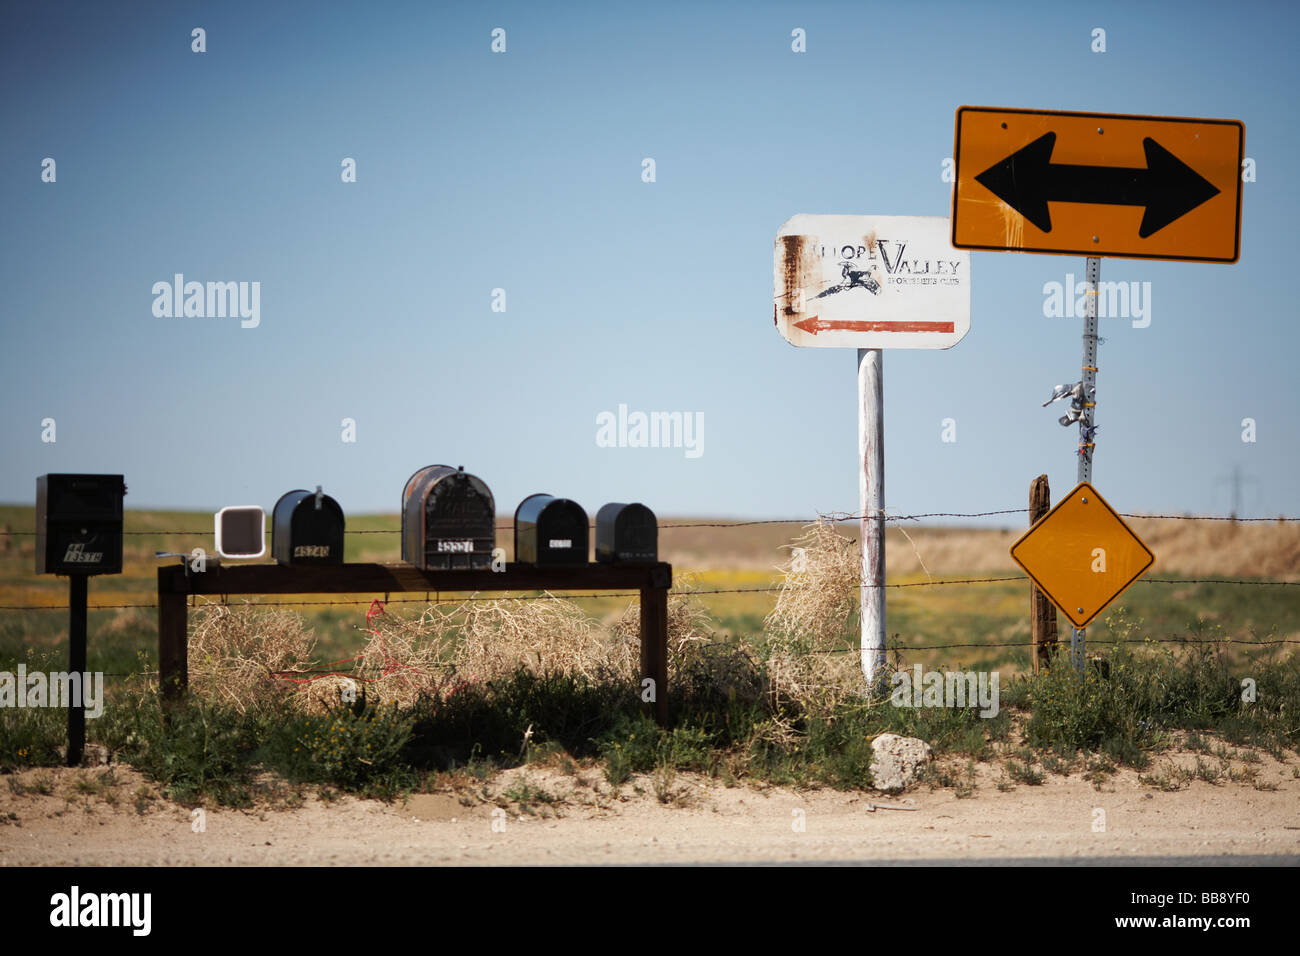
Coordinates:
[1098,184]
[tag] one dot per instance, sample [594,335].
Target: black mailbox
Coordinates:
[626,534]
[550,531]
[307,528]
[448,520]
[79,524]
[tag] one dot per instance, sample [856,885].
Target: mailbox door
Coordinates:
[456,526]
[561,531]
[626,534]
[301,533]
[81,547]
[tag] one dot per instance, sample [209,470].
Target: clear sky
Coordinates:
[522,171]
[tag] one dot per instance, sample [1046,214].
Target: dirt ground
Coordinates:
[66,817]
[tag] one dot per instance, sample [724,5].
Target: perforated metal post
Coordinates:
[1087,422]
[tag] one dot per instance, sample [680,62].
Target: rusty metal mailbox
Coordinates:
[626,534]
[448,520]
[307,528]
[550,531]
[79,524]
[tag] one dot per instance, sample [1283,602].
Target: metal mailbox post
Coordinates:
[176,584]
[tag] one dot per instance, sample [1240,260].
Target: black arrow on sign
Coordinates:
[1027,181]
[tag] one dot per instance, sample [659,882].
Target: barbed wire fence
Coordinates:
[831,517]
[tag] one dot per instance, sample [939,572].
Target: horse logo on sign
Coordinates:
[853,279]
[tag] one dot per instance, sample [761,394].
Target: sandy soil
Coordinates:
[701,821]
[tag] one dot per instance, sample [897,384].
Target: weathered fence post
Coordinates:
[173,638]
[654,649]
[1042,612]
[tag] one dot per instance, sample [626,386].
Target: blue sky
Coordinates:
[522,171]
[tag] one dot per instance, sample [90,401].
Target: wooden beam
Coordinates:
[384,578]
[1042,612]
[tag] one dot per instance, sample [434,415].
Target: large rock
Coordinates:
[896,761]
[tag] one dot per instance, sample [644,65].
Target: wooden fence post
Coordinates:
[173,649]
[1042,612]
[654,648]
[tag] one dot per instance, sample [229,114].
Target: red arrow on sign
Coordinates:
[814,325]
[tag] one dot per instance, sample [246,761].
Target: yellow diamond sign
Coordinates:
[1082,555]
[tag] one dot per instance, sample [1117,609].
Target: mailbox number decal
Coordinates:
[77,553]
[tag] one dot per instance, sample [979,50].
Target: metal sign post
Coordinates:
[1087,421]
[1095,184]
[870,283]
[871,502]
[77,666]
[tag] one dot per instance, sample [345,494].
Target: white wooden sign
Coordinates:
[870,282]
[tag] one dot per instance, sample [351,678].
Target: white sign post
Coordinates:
[871,283]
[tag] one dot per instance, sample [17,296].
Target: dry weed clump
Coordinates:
[820,589]
[806,662]
[550,634]
[235,654]
[403,659]
[689,627]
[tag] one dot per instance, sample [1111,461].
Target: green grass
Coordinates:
[724,723]
[204,753]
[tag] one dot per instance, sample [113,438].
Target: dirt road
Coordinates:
[578,819]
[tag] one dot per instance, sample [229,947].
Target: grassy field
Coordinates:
[978,618]
[749,698]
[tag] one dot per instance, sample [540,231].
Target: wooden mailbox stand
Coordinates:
[176,583]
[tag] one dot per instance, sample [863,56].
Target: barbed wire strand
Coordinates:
[623,594]
[834,516]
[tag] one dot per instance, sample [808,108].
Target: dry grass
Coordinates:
[242,656]
[402,657]
[236,652]
[804,630]
[479,641]
[689,625]
[544,635]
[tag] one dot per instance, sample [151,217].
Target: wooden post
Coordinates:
[173,642]
[1042,612]
[654,648]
